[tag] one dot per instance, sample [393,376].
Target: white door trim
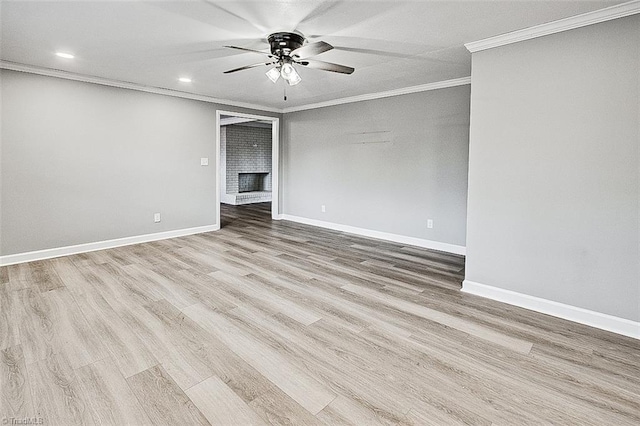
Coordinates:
[275,160]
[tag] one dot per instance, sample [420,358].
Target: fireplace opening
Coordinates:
[251,182]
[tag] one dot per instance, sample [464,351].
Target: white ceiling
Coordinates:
[392,44]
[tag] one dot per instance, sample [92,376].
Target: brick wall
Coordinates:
[246,150]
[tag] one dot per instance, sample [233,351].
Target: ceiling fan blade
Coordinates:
[413,56]
[250,50]
[235,15]
[374,52]
[320,10]
[246,67]
[327,66]
[311,49]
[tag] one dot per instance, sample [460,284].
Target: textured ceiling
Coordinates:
[392,44]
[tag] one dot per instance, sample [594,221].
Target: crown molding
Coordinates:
[396,92]
[589,18]
[14,66]
[49,72]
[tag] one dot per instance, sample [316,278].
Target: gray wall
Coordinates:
[554,168]
[385,165]
[241,156]
[84,163]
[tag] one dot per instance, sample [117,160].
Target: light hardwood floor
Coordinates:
[279,323]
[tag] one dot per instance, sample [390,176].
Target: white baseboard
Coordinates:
[402,239]
[572,313]
[101,245]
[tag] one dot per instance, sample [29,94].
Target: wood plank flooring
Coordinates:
[267,322]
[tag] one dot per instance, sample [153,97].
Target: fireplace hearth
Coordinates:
[251,182]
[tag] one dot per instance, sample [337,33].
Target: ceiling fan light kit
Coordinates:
[288,49]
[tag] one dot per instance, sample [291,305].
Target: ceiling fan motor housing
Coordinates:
[282,44]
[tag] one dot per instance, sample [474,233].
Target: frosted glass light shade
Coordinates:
[273,74]
[294,78]
[287,70]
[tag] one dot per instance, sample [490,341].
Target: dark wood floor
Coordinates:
[269,322]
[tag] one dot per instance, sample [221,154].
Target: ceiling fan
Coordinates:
[288,49]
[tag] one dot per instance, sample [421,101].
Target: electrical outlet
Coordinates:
[429,223]
[323,208]
[156,217]
[204,161]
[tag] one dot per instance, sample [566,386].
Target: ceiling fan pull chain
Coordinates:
[284,90]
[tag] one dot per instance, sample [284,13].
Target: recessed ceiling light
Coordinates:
[185,80]
[65,55]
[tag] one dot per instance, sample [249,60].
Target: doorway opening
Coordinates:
[247,160]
